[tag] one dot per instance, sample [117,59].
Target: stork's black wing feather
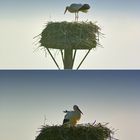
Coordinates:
[65,111]
[65,121]
[85,7]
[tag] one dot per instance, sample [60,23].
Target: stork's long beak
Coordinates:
[80,111]
[66,10]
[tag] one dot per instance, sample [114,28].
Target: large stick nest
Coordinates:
[77,35]
[89,132]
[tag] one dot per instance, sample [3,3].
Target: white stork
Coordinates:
[72,117]
[76,8]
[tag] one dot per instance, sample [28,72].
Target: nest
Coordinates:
[89,132]
[74,35]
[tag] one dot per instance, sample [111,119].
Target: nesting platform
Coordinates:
[69,37]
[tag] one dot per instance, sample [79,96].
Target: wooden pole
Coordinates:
[68,58]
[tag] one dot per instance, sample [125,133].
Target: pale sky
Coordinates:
[104,96]
[20,21]
[25,97]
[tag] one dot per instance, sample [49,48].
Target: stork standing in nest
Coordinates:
[72,117]
[76,8]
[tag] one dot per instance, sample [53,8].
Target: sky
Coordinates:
[21,21]
[105,96]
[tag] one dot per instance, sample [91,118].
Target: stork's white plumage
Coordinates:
[72,117]
[76,8]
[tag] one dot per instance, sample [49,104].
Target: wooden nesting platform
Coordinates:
[68,37]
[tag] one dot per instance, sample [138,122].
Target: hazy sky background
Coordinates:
[104,96]
[21,20]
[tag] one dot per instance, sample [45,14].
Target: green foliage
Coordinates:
[77,35]
[89,132]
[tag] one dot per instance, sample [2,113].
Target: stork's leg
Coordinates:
[75,16]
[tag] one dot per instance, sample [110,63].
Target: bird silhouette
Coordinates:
[72,117]
[76,8]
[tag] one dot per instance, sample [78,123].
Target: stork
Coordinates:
[76,8]
[72,117]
